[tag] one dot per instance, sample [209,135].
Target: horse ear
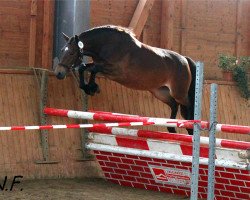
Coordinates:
[65,37]
[76,38]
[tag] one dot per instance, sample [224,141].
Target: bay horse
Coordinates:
[120,57]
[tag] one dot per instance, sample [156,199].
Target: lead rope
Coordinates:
[36,73]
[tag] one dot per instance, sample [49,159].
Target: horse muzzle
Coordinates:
[60,72]
[60,75]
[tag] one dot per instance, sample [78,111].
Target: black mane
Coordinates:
[112,28]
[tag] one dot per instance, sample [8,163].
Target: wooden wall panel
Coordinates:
[153,25]
[206,47]
[48,29]
[167,24]
[121,13]
[203,16]
[112,12]
[15,17]
[14,33]
[19,150]
[210,30]
[243,28]
[39,33]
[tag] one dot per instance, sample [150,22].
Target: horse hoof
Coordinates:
[88,92]
[171,130]
[90,89]
[190,131]
[94,88]
[85,88]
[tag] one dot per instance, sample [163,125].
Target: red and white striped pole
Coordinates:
[180,138]
[68,126]
[108,116]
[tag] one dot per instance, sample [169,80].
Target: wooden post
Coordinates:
[140,16]
[183,26]
[145,36]
[167,24]
[32,41]
[48,22]
[238,37]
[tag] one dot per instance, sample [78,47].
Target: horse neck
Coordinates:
[92,40]
[95,40]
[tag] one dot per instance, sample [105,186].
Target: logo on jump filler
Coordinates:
[171,176]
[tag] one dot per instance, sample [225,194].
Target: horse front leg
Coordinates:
[91,88]
[82,83]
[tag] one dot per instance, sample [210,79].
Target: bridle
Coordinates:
[79,59]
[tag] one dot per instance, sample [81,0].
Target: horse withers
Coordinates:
[120,57]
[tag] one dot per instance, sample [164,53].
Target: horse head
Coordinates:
[71,56]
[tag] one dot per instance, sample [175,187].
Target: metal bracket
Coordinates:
[43,80]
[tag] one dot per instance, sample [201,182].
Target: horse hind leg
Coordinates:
[187,113]
[174,109]
[186,106]
[163,94]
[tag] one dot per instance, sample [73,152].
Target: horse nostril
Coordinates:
[60,75]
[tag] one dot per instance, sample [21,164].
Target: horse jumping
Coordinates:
[120,57]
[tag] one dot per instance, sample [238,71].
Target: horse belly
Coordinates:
[139,83]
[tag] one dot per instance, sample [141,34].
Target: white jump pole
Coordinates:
[70,126]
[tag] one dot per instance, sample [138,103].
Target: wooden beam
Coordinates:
[140,16]
[167,24]
[48,23]
[32,36]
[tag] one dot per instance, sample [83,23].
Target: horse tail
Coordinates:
[191,91]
